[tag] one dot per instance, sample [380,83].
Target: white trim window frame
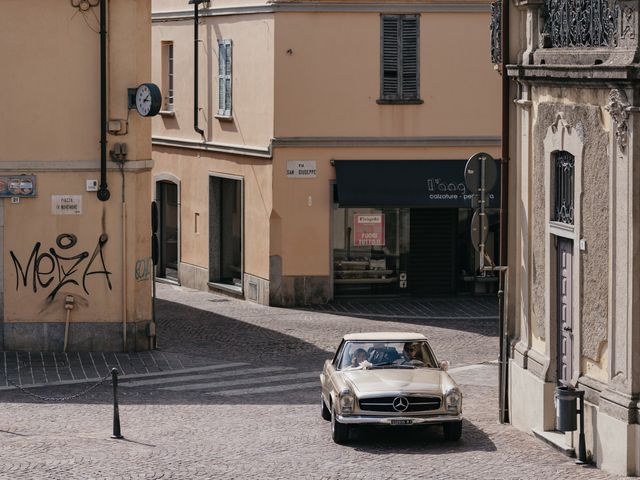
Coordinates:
[225,81]
[168,77]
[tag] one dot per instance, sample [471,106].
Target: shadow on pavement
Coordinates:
[419,440]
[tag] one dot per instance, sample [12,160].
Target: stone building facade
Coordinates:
[574,264]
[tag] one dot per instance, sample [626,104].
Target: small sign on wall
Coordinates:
[301,169]
[368,230]
[66,204]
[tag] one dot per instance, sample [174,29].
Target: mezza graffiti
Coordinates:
[56,268]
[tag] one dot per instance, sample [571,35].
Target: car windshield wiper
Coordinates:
[391,365]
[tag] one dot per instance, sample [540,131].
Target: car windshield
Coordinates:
[380,354]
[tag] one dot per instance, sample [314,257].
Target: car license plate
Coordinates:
[401,422]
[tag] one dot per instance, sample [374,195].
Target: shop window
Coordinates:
[366,250]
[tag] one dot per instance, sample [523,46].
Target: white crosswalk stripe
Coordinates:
[270,389]
[244,381]
[204,368]
[205,376]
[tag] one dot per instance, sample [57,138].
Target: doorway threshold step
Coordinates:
[556,440]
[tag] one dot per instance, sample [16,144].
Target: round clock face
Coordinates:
[148,99]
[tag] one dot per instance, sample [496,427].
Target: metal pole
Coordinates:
[482,212]
[582,454]
[116,411]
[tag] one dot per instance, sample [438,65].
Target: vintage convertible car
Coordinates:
[388,379]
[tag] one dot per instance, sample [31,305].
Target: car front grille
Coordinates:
[385,404]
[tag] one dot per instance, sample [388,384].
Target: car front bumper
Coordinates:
[380,420]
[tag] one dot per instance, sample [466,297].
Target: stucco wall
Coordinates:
[593,222]
[328,77]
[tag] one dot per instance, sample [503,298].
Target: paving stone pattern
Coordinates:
[238,398]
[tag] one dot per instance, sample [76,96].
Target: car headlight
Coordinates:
[346,401]
[453,399]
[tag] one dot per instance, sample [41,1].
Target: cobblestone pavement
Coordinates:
[238,398]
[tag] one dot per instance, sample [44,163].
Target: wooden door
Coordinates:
[565,312]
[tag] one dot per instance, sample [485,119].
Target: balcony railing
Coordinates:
[581,23]
[496,32]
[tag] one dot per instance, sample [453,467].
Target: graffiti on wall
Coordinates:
[143,269]
[56,268]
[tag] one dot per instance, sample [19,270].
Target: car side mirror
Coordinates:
[444,365]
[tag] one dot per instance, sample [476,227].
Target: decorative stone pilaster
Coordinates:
[618,109]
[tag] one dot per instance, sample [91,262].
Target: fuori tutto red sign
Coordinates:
[368,229]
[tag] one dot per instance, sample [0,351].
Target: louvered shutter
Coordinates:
[390,57]
[400,57]
[410,34]
[224,77]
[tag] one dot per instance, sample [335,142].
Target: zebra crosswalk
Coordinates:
[227,379]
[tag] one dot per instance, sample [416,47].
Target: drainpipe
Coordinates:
[504,206]
[103,191]
[195,66]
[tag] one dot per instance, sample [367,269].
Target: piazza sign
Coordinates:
[368,230]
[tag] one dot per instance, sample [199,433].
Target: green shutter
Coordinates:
[390,46]
[410,65]
[400,57]
[224,77]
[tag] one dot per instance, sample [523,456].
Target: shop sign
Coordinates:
[301,169]
[18,186]
[66,204]
[368,230]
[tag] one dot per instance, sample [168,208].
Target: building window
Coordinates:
[400,82]
[224,78]
[564,180]
[167,76]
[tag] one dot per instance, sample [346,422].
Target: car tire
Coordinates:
[452,430]
[339,431]
[326,413]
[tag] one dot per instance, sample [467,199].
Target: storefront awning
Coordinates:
[405,183]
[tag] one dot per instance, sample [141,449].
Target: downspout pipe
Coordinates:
[103,190]
[504,209]
[196,111]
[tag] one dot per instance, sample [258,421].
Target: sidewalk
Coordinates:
[187,317]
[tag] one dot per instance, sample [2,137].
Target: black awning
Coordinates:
[405,183]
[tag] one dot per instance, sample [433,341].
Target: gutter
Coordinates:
[103,190]
[196,111]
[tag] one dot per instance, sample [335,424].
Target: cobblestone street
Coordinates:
[233,392]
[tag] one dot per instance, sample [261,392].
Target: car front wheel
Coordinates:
[326,414]
[452,430]
[339,431]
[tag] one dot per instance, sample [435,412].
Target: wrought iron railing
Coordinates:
[564,170]
[581,23]
[496,32]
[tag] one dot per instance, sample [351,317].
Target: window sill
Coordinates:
[224,118]
[167,113]
[382,101]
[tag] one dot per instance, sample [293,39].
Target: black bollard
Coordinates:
[116,412]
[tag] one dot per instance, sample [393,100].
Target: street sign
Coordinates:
[472,172]
[479,230]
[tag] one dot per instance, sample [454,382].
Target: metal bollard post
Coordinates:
[116,412]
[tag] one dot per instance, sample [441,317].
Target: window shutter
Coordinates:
[224,77]
[390,57]
[410,35]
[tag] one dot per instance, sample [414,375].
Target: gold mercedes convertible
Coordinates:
[389,379]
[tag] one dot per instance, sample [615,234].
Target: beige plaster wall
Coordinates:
[252,91]
[193,171]
[329,83]
[51,113]
[300,233]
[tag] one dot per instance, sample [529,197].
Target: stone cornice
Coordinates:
[212,147]
[33,166]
